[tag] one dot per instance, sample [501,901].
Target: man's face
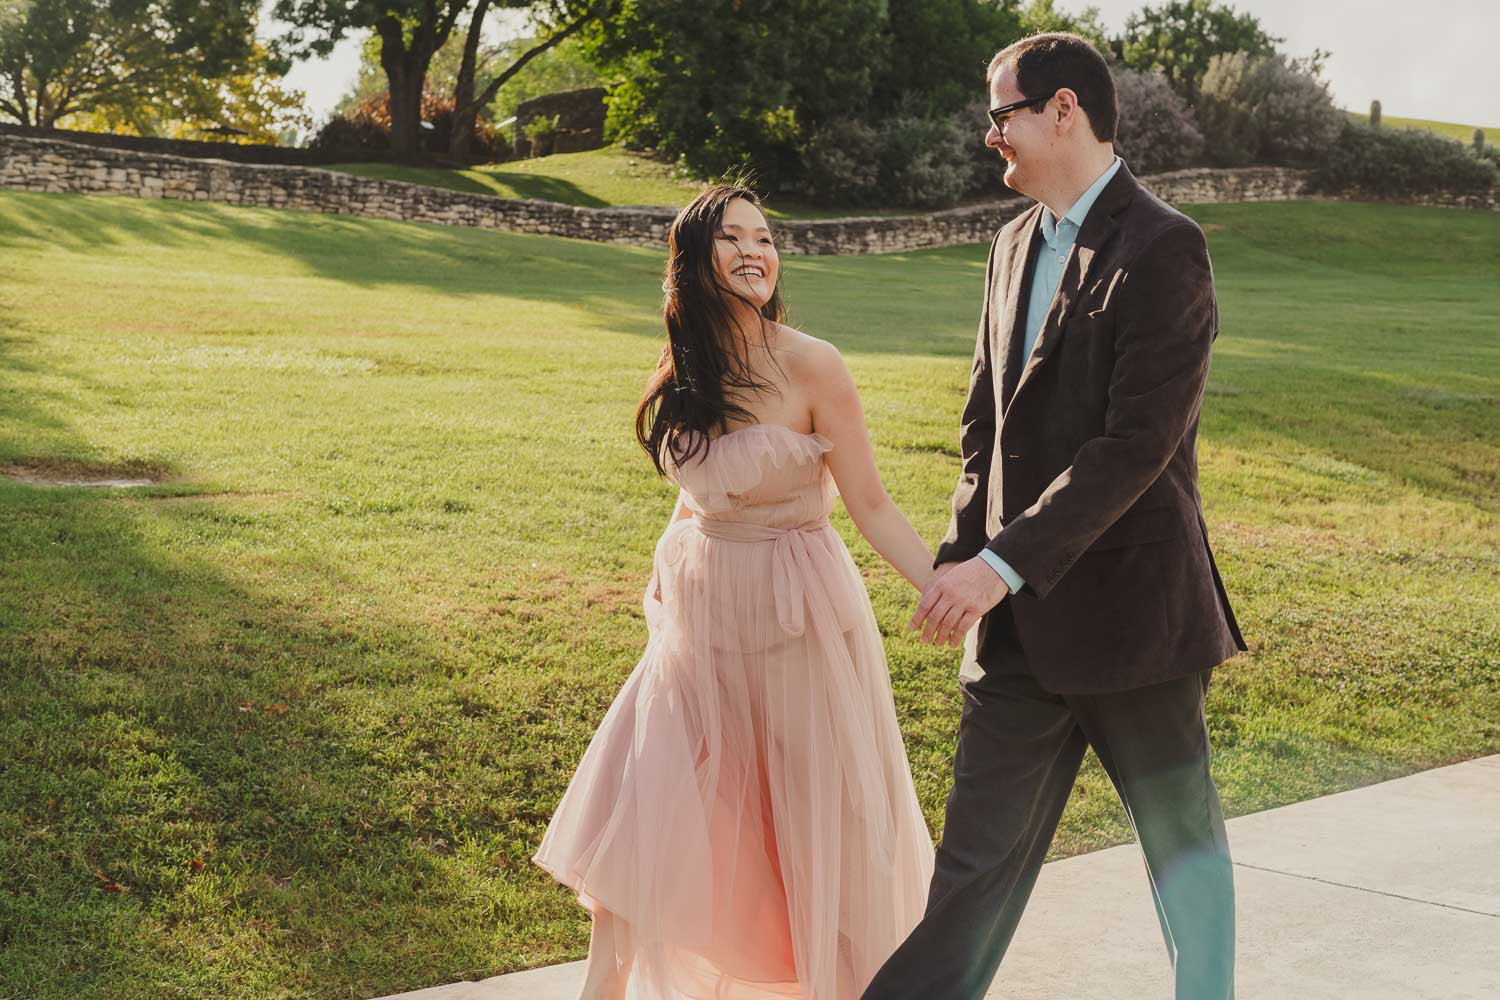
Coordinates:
[1028,140]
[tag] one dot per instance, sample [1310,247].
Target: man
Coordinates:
[1078,545]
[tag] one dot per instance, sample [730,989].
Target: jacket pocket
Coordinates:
[1137,527]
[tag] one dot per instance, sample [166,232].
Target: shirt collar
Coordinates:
[1080,209]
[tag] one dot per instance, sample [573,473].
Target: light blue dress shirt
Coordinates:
[1058,237]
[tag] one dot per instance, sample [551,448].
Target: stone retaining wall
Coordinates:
[31,164]
[236,152]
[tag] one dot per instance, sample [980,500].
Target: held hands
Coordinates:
[957,596]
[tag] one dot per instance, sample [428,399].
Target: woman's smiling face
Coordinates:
[744,254]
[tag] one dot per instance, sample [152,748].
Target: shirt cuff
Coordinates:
[1010,576]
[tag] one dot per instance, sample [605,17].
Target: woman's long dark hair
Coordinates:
[705,366]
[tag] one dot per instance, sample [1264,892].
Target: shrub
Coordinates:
[367,126]
[1396,163]
[541,133]
[341,132]
[1157,131]
[842,160]
[1265,109]
[907,160]
[924,162]
[986,168]
[542,127]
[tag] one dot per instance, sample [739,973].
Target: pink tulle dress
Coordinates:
[745,810]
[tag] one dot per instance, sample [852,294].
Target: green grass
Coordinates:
[349,652]
[593,179]
[1449,130]
[598,177]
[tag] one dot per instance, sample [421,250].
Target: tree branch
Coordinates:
[493,87]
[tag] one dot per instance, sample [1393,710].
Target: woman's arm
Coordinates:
[682,511]
[679,512]
[838,416]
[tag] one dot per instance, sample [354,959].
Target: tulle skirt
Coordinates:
[745,812]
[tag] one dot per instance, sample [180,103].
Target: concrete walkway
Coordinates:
[1390,892]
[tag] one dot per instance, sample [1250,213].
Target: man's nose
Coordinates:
[992,137]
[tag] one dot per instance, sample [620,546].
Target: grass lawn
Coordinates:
[1449,130]
[290,723]
[596,178]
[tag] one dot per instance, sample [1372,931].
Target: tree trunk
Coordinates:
[406,114]
[466,106]
[465,109]
[406,74]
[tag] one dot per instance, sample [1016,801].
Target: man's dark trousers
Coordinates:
[1019,751]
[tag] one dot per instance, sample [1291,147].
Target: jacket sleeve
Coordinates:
[967,532]
[1165,328]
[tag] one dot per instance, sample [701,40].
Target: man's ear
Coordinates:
[1068,111]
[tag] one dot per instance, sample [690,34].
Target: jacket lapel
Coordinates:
[1099,227]
[1013,316]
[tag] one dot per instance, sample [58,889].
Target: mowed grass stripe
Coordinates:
[349,651]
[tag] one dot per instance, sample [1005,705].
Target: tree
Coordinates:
[252,100]
[410,34]
[934,52]
[564,67]
[729,84]
[559,20]
[1179,38]
[62,57]
[1042,16]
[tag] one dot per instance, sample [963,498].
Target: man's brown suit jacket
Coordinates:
[1080,466]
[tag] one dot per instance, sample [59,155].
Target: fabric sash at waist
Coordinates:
[804,570]
[746,531]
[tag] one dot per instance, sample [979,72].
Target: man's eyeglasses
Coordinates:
[1006,112]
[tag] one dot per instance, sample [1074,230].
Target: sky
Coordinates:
[1434,59]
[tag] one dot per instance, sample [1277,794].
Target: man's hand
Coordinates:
[958,596]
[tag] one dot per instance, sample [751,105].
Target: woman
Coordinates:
[743,824]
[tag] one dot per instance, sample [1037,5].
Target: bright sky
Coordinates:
[1432,59]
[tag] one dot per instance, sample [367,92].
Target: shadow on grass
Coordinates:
[546,188]
[615,285]
[495,183]
[1348,360]
[226,779]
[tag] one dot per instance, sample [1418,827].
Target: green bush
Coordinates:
[842,160]
[986,168]
[542,127]
[1157,131]
[908,161]
[1265,109]
[1396,163]
[924,162]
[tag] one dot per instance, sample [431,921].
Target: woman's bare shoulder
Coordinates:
[805,356]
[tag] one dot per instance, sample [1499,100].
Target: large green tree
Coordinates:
[61,57]
[253,100]
[410,34]
[934,53]
[728,84]
[725,84]
[1041,16]
[1179,38]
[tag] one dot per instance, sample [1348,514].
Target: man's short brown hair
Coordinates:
[1047,63]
